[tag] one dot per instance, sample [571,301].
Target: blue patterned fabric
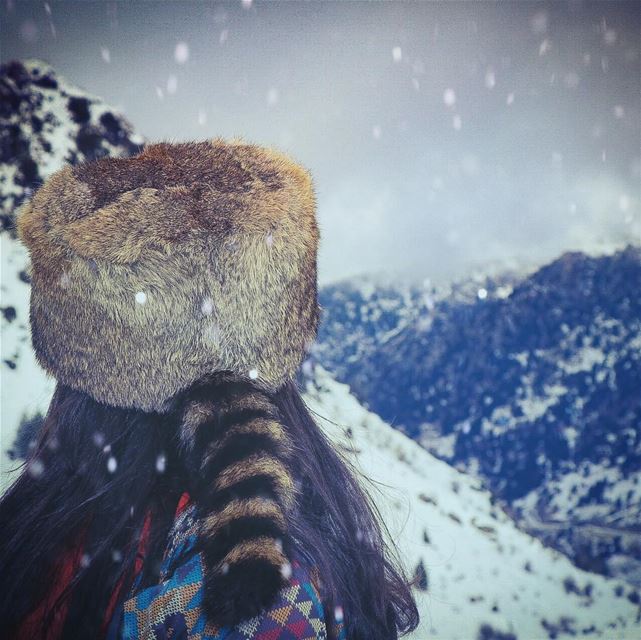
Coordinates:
[172,609]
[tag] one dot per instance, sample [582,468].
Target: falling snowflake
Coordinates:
[272,97]
[112,464]
[161,463]
[224,569]
[376,132]
[619,111]
[449,97]
[510,99]
[544,47]
[223,36]
[307,368]
[246,4]
[286,570]
[141,297]
[116,555]
[98,439]
[482,293]
[457,123]
[172,84]
[181,53]
[338,614]
[207,307]
[397,54]
[85,560]
[105,54]
[35,468]
[253,374]
[269,239]
[429,301]
[490,79]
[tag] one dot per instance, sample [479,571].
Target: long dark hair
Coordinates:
[98,471]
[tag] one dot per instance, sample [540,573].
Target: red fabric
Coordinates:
[139,562]
[182,503]
[140,555]
[32,625]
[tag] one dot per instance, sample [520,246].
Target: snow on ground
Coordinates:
[481,569]
[24,388]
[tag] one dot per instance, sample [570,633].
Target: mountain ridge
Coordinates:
[522,382]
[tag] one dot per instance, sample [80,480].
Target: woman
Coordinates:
[180,487]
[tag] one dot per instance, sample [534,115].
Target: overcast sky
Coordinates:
[440,135]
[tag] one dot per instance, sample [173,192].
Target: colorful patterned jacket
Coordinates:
[172,609]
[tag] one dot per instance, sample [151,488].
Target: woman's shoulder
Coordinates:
[173,607]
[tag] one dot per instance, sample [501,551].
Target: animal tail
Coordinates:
[238,452]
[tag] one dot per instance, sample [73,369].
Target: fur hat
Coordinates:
[152,271]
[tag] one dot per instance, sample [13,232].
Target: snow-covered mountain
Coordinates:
[45,122]
[483,578]
[532,383]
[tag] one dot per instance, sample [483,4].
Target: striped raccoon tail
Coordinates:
[238,454]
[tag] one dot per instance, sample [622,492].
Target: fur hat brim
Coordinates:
[152,271]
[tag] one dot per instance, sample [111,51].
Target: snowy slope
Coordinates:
[45,122]
[481,569]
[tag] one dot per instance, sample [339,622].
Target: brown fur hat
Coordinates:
[152,271]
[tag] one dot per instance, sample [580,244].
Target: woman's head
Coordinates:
[184,275]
